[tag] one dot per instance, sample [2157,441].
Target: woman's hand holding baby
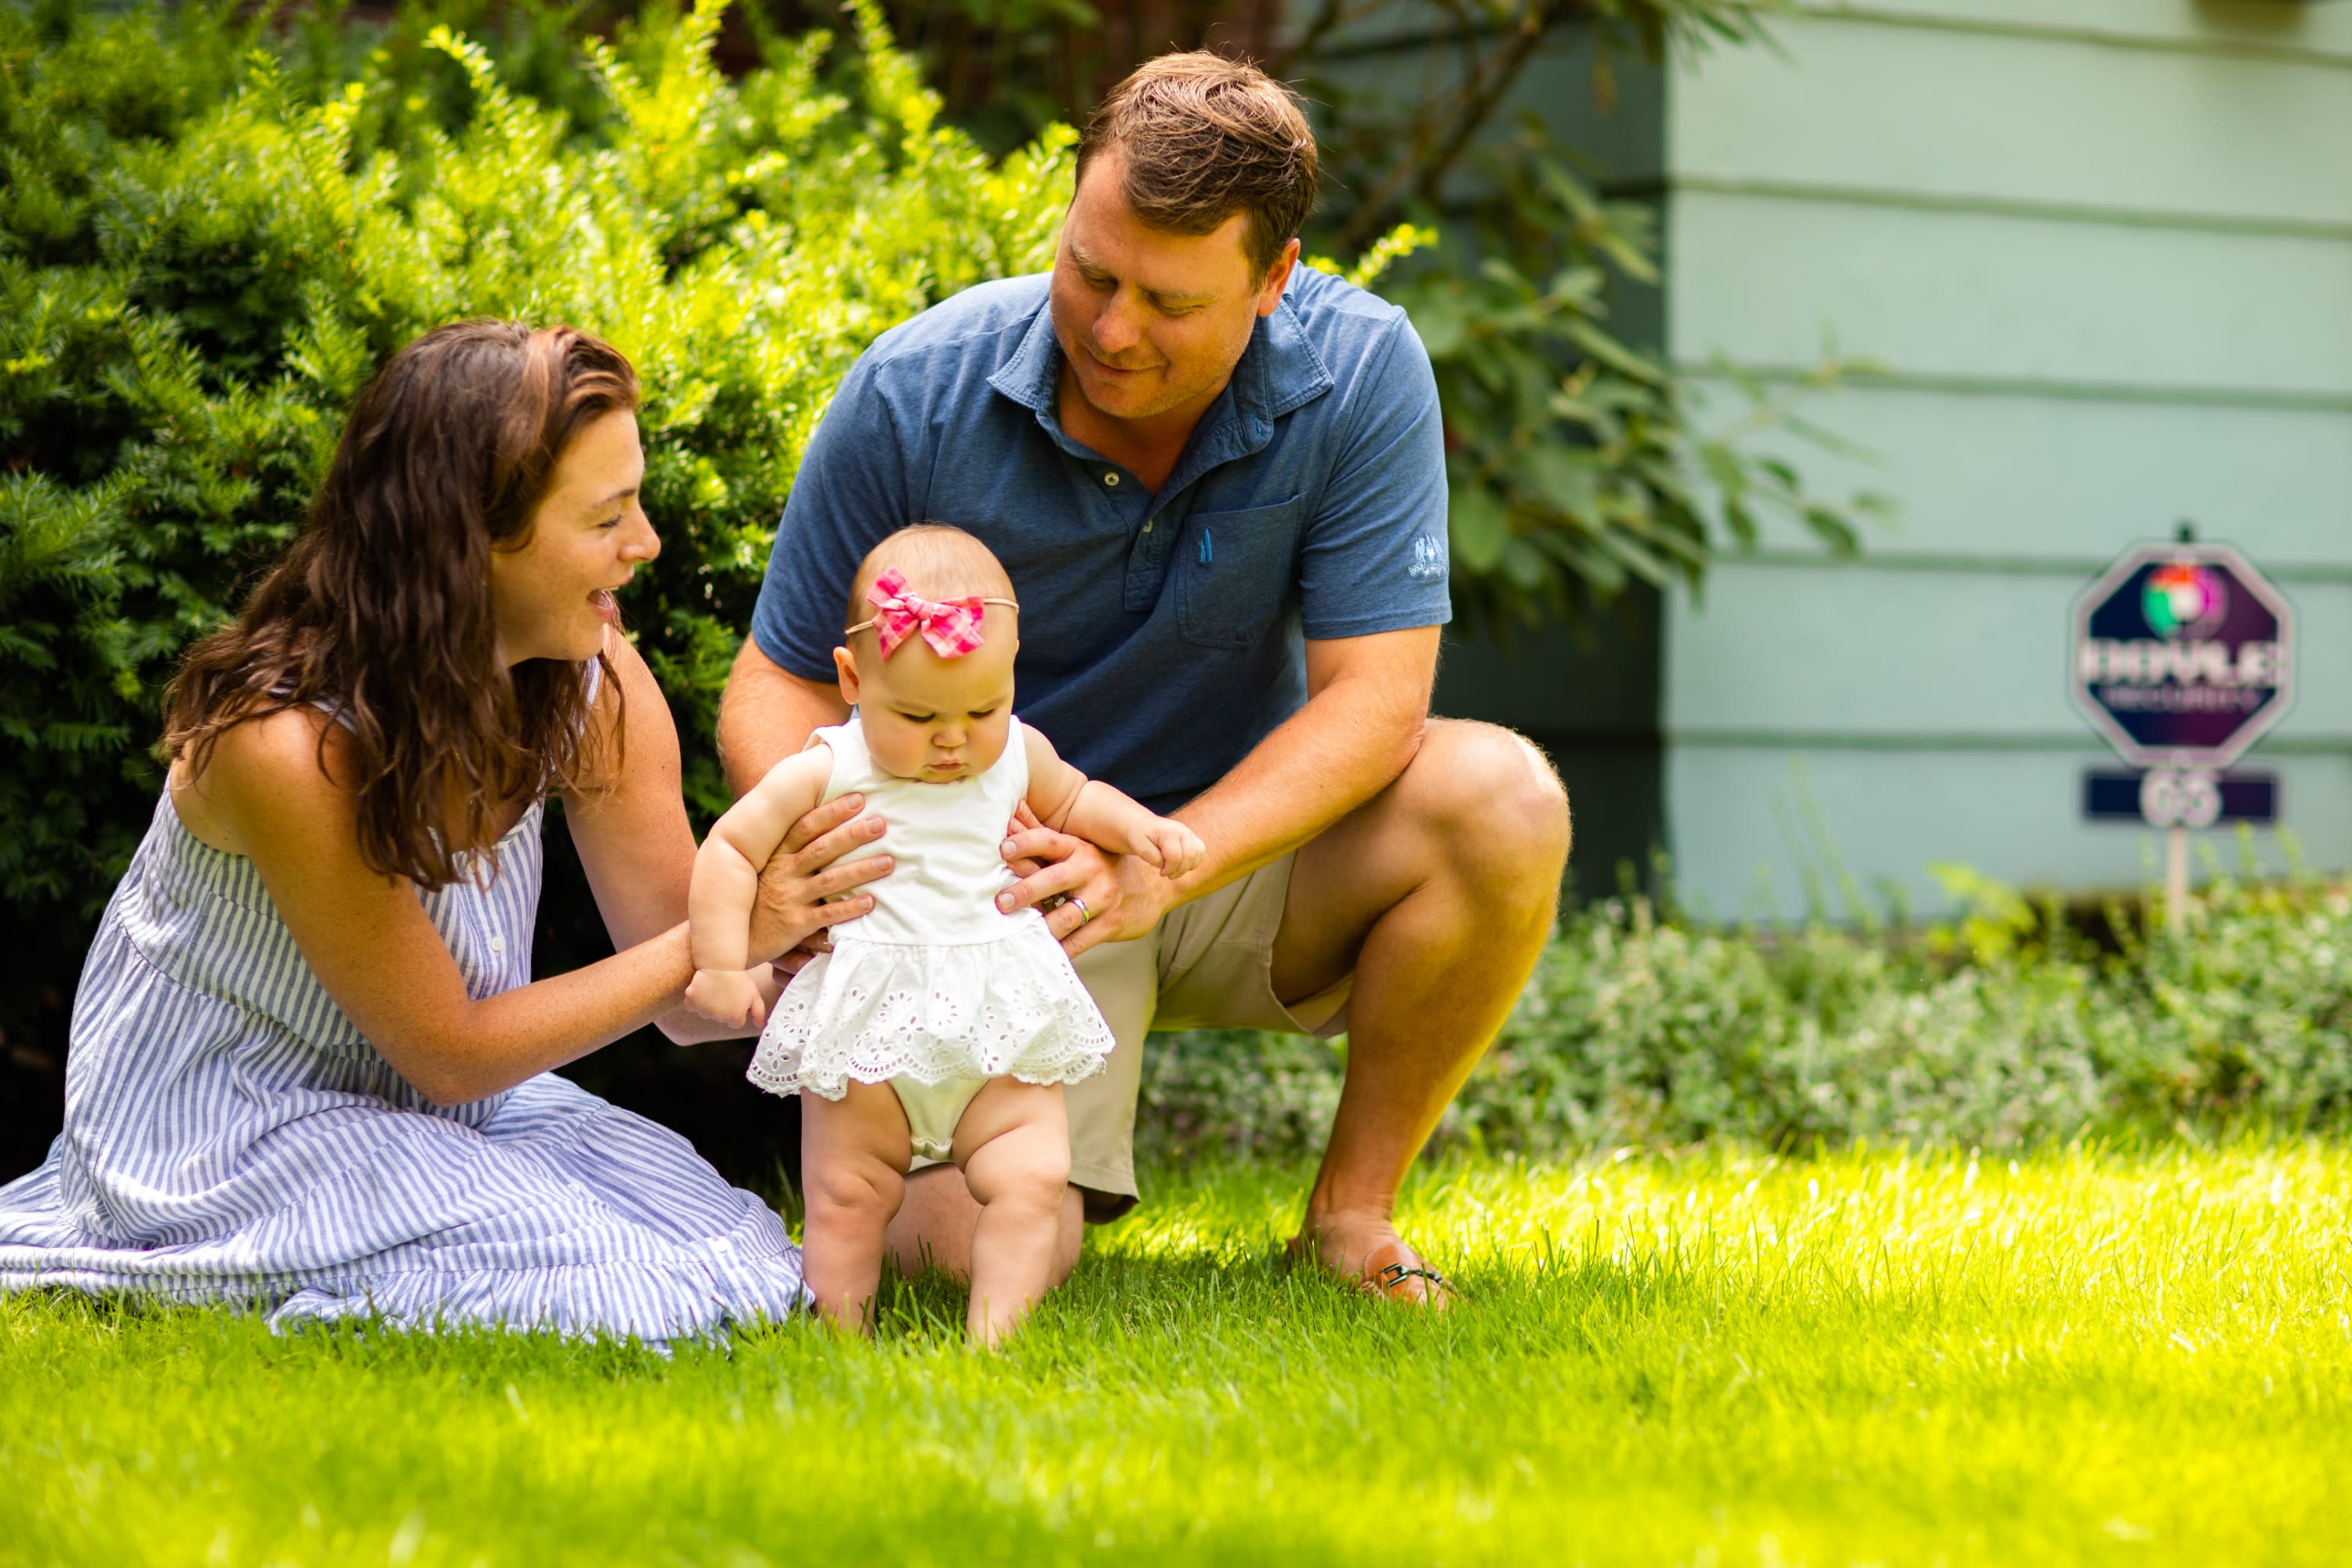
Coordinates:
[791,917]
[745,917]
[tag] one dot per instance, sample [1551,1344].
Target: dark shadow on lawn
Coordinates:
[1579,1303]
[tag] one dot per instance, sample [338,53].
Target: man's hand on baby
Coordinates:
[730,996]
[1104,898]
[1169,846]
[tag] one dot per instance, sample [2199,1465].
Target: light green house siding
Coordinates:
[2103,251]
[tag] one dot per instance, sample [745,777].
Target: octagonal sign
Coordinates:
[2180,655]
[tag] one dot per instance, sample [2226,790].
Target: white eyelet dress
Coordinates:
[230,1136]
[936,985]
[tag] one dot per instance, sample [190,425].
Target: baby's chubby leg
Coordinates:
[854,1156]
[1013,1144]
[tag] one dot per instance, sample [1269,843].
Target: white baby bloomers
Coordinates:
[935,987]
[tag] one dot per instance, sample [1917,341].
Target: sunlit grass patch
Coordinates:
[2089,1355]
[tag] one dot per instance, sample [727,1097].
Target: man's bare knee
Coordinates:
[1492,800]
[933,1229]
[1070,1240]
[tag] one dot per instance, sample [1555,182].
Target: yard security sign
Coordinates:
[2180,655]
[2182,660]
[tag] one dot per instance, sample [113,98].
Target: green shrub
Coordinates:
[1638,1029]
[206,247]
[211,233]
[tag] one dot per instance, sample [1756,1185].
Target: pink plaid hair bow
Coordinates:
[950,625]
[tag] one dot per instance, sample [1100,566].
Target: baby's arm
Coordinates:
[727,883]
[1066,801]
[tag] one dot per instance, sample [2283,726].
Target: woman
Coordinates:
[309,1068]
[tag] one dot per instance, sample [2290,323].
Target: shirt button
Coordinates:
[498,945]
[1111,480]
[1148,523]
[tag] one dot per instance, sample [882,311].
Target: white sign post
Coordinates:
[2178,800]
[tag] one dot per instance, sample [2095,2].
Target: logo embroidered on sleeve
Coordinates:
[1428,559]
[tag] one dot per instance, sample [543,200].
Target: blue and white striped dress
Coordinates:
[230,1136]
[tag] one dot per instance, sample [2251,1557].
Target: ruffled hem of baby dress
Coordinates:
[868,1011]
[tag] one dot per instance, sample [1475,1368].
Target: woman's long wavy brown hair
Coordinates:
[381,612]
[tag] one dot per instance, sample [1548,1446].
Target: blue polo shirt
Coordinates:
[1160,635]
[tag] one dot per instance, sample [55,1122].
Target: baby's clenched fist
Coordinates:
[1171,845]
[727,996]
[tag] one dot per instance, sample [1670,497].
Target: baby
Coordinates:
[938,1023]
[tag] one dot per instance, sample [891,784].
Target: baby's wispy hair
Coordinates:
[938,562]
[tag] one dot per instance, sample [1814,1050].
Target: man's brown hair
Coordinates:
[1205,137]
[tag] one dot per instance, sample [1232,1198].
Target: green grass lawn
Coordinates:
[2095,1356]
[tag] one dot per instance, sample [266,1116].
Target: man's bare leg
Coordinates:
[934,1226]
[1438,893]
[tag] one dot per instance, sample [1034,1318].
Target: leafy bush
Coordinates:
[213,227]
[196,281]
[218,219]
[1642,1029]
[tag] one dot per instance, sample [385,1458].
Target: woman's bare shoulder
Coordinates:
[272,765]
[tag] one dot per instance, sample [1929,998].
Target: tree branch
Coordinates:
[1327,15]
[1487,83]
[1503,68]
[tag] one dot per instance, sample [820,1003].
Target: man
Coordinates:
[1218,482]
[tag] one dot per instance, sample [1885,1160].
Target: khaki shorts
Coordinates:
[1207,965]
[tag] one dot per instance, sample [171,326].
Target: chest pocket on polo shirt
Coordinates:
[1235,571]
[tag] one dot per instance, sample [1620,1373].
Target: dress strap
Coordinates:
[334,710]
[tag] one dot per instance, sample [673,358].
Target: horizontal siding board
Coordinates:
[1963,294]
[1731,812]
[2280,27]
[2105,250]
[1922,113]
[2006,476]
[1888,652]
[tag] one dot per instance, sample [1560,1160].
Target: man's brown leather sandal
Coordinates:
[1387,1272]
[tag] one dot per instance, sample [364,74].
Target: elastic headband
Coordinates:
[952,626]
